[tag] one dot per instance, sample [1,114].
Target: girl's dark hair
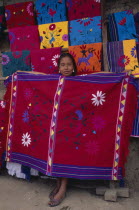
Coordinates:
[63,55]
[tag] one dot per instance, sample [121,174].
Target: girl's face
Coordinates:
[66,66]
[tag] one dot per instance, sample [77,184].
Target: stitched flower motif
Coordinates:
[65,37]
[98,99]
[2,104]
[28,93]
[25,116]
[52,27]
[29,9]
[26,139]
[85,21]
[5,59]
[133,52]
[123,61]
[55,59]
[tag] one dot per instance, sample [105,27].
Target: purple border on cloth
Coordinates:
[114,51]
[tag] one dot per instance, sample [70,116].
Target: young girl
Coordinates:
[67,67]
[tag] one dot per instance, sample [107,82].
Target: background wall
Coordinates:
[112,6]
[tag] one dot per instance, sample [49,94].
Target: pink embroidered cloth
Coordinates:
[45,60]
[20,14]
[83,9]
[24,38]
[75,127]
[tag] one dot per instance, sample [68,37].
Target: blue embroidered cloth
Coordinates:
[13,61]
[49,11]
[85,31]
[122,26]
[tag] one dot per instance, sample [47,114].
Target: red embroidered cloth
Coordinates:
[24,38]
[45,60]
[20,14]
[83,9]
[67,131]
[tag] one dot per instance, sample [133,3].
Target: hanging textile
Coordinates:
[45,60]
[13,61]
[54,35]
[24,38]
[2,20]
[85,31]
[20,14]
[122,56]
[88,57]
[61,129]
[49,11]
[2,129]
[122,26]
[136,19]
[83,9]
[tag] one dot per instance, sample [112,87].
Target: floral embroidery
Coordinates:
[65,37]
[98,99]
[98,123]
[2,103]
[52,27]
[29,8]
[51,12]
[55,59]
[25,116]
[17,54]
[133,52]
[122,22]
[5,59]
[26,139]
[123,61]
[85,21]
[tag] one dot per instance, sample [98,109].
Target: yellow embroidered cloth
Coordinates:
[54,35]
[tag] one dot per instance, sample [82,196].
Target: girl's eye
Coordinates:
[62,64]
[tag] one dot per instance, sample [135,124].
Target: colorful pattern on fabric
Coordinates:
[24,38]
[136,19]
[135,130]
[45,60]
[13,61]
[88,57]
[54,35]
[83,9]
[19,14]
[122,56]
[2,127]
[85,31]
[49,11]
[122,26]
[69,143]
[2,19]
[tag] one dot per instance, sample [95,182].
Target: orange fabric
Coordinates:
[87,57]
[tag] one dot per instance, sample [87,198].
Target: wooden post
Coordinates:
[104,35]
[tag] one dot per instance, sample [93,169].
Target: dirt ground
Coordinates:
[18,194]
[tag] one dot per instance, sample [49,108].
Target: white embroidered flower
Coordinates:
[26,139]
[97,1]
[2,103]
[98,98]
[55,59]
